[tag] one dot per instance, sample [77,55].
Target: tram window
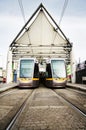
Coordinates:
[26,68]
[58,68]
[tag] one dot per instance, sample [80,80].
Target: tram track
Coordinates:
[77,91]
[10,104]
[27,107]
[76,107]
[23,105]
[44,109]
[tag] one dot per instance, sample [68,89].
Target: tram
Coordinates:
[56,75]
[28,73]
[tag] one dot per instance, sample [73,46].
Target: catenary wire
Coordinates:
[63,11]
[23,15]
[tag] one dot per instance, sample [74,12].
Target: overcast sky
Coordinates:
[73,23]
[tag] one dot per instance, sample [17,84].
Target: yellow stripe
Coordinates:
[24,78]
[58,79]
[35,78]
[27,79]
[49,78]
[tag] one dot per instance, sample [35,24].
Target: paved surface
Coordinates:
[5,86]
[81,87]
[77,98]
[44,110]
[10,104]
[47,111]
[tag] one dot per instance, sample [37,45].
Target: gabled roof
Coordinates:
[40,37]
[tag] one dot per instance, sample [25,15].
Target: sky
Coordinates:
[73,23]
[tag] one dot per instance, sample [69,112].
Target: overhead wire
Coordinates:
[63,11]
[23,15]
[22,10]
[62,14]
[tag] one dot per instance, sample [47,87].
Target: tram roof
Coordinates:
[40,37]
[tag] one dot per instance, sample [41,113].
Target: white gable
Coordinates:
[40,39]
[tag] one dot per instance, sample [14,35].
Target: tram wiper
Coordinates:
[22,75]
[56,74]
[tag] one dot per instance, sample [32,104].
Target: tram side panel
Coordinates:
[48,76]
[36,76]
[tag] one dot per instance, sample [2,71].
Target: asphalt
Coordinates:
[5,86]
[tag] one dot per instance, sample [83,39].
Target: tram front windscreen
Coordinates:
[58,68]
[26,68]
